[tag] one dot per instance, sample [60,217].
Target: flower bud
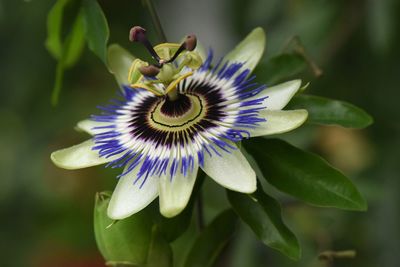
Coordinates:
[121,242]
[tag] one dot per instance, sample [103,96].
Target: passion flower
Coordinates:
[177,115]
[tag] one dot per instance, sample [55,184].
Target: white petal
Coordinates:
[78,156]
[175,193]
[231,170]
[279,121]
[279,95]
[129,198]
[89,125]
[250,50]
[119,62]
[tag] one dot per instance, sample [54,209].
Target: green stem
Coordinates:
[156,20]
[55,95]
[200,212]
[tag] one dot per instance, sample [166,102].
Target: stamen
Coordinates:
[138,34]
[189,44]
[150,71]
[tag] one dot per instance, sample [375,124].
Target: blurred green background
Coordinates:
[46,212]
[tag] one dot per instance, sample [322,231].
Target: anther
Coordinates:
[189,44]
[138,34]
[150,71]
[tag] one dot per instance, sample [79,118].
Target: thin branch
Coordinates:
[328,257]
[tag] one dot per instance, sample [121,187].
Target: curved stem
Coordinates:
[156,20]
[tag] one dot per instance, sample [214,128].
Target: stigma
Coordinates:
[172,63]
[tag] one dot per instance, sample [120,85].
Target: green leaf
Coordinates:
[212,240]
[97,32]
[160,252]
[75,43]
[250,50]
[304,175]
[280,67]
[54,27]
[126,241]
[332,112]
[262,214]
[67,52]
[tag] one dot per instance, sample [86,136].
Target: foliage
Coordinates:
[359,66]
[140,240]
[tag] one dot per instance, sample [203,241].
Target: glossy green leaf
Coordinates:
[304,175]
[97,31]
[332,112]
[249,50]
[212,240]
[54,27]
[262,214]
[160,252]
[122,242]
[280,67]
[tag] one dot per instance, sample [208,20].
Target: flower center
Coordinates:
[177,114]
[176,108]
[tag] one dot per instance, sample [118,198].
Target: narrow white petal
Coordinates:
[250,50]
[231,170]
[129,198]
[119,62]
[175,193]
[78,156]
[279,95]
[89,125]
[279,121]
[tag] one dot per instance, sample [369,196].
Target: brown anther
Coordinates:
[190,42]
[150,71]
[137,34]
